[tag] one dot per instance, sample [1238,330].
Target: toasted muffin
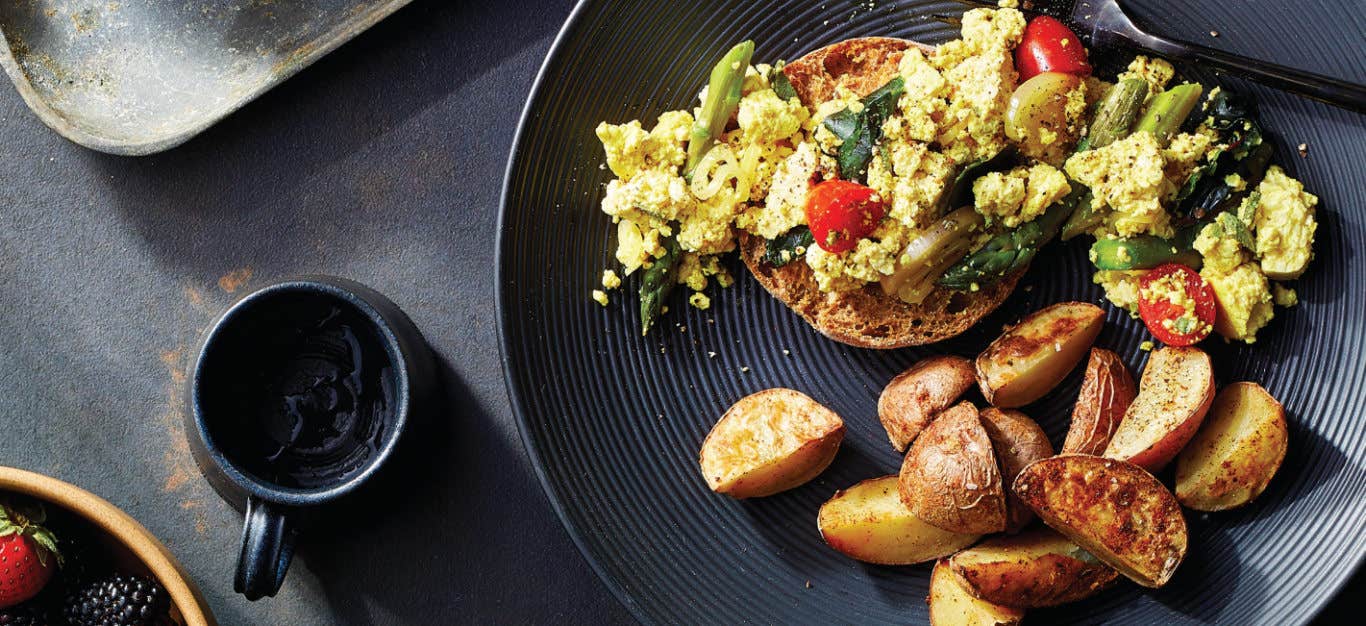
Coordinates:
[866,317]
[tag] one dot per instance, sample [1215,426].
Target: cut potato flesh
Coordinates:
[1114,510]
[1236,452]
[1034,569]
[769,442]
[916,395]
[952,605]
[868,522]
[950,477]
[1173,397]
[1030,359]
[1107,390]
[1017,441]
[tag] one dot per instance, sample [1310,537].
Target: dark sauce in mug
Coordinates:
[303,392]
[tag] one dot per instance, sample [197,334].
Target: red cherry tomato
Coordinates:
[1050,46]
[840,213]
[1176,304]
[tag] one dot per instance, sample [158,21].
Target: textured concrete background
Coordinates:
[381,163]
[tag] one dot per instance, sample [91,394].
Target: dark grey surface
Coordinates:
[381,163]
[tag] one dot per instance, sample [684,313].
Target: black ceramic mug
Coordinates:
[300,393]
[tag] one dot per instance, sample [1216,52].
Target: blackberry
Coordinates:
[117,601]
[27,614]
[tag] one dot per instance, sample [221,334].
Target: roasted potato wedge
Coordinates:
[1107,390]
[868,522]
[1017,442]
[916,395]
[1173,397]
[1034,569]
[768,442]
[1112,509]
[1031,358]
[950,477]
[951,604]
[1236,451]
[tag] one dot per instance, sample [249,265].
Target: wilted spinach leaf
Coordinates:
[861,131]
[788,246]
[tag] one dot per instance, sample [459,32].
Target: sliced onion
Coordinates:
[714,170]
[748,172]
[928,255]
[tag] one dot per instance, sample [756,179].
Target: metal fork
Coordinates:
[1105,24]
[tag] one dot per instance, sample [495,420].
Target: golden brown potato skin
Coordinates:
[1017,442]
[1034,569]
[1235,453]
[868,522]
[951,604]
[950,477]
[916,395]
[1174,395]
[1030,359]
[1107,390]
[1113,509]
[734,463]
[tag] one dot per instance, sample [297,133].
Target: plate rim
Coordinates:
[519,412]
[533,449]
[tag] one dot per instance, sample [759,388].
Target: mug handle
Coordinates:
[267,548]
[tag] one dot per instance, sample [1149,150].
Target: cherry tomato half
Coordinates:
[1176,304]
[1050,46]
[840,213]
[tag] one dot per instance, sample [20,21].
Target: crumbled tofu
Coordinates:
[1284,296]
[700,301]
[1185,152]
[766,118]
[610,280]
[910,178]
[663,195]
[1244,300]
[1146,346]
[1221,251]
[600,296]
[874,257]
[785,205]
[1156,72]
[1284,225]
[1020,195]
[1128,177]
[630,150]
[1121,288]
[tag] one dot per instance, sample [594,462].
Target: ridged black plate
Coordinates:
[613,421]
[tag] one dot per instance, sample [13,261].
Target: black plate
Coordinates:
[613,421]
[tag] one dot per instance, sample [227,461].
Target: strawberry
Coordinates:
[28,555]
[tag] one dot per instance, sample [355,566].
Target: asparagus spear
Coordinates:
[1141,253]
[658,282]
[723,97]
[1169,110]
[1116,113]
[1012,250]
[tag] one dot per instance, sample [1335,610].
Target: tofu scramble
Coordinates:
[1025,151]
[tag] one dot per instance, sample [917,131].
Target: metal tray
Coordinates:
[140,76]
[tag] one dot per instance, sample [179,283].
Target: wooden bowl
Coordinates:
[131,545]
